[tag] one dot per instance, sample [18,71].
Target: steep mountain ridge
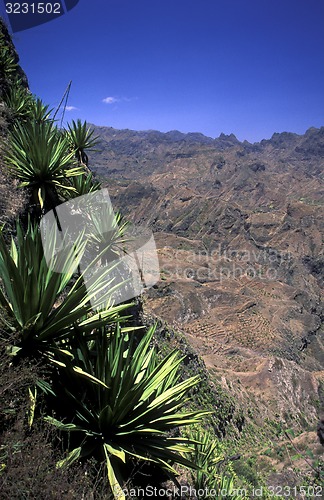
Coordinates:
[268,202]
[239,228]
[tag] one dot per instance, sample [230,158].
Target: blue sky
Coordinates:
[251,67]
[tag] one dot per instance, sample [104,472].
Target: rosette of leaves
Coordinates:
[40,112]
[128,415]
[83,184]
[40,158]
[109,234]
[81,139]
[19,100]
[8,63]
[41,306]
[208,455]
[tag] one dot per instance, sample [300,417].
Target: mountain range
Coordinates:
[239,231]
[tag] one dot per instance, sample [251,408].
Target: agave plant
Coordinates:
[40,112]
[128,415]
[8,64]
[105,230]
[108,235]
[81,139]
[42,306]
[40,158]
[83,184]
[20,101]
[24,106]
[207,454]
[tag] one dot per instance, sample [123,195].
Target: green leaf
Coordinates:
[138,401]
[70,459]
[115,485]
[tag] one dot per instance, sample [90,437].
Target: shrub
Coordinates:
[128,414]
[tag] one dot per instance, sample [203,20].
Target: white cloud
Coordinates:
[114,100]
[71,108]
[110,100]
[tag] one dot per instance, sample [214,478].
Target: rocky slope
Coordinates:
[11,199]
[239,229]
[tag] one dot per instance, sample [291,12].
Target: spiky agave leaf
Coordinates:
[40,112]
[207,454]
[108,234]
[83,184]
[40,158]
[81,139]
[20,101]
[142,401]
[8,63]
[31,293]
